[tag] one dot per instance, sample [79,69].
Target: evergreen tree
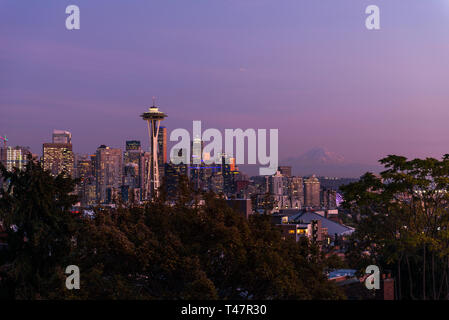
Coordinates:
[189,249]
[404,224]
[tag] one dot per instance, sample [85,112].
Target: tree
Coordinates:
[188,249]
[35,211]
[404,223]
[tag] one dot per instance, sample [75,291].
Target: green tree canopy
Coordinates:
[403,223]
[163,250]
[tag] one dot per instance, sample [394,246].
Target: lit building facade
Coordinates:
[132,163]
[312,192]
[329,199]
[14,157]
[58,158]
[286,171]
[62,136]
[162,148]
[86,173]
[108,173]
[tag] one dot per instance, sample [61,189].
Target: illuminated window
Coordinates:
[291,231]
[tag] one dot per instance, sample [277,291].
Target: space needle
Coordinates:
[153,117]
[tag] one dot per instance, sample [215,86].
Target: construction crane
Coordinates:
[4,140]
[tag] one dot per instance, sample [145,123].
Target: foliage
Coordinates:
[404,223]
[164,250]
[35,212]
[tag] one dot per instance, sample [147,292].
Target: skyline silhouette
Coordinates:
[309,69]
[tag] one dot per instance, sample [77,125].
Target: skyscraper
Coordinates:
[312,192]
[162,148]
[133,152]
[58,158]
[228,175]
[108,173]
[275,185]
[144,175]
[14,157]
[132,163]
[196,163]
[62,136]
[3,155]
[286,171]
[86,188]
[296,189]
[84,168]
[137,166]
[133,145]
[174,172]
[329,198]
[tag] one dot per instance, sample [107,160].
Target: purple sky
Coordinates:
[309,68]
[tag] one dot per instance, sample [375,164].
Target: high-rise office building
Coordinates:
[131,175]
[62,136]
[83,168]
[296,189]
[133,152]
[216,182]
[58,158]
[196,151]
[312,192]
[286,171]
[174,172]
[228,174]
[86,188]
[329,198]
[162,147]
[131,164]
[14,157]
[144,175]
[93,161]
[3,155]
[136,168]
[108,173]
[196,172]
[3,162]
[275,184]
[133,145]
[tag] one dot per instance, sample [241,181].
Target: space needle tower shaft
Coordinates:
[153,117]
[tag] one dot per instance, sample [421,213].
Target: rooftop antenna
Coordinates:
[154,102]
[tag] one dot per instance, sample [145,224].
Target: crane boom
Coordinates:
[5,139]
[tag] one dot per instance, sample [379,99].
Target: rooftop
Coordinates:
[332,226]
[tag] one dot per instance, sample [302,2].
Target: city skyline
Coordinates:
[303,153]
[316,161]
[311,70]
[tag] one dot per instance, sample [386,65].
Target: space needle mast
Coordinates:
[153,117]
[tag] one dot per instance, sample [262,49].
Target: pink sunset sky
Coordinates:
[309,68]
